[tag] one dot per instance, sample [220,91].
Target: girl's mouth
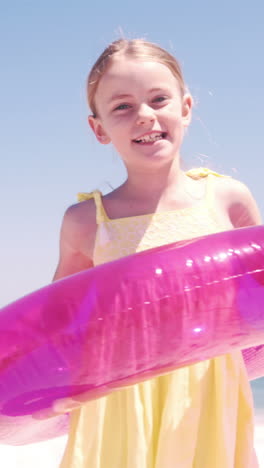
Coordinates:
[150,138]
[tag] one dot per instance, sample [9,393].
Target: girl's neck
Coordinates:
[146,184]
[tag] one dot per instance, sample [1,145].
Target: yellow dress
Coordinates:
[200,416]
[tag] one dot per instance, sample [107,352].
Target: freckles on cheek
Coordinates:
[174,112]
[175,121]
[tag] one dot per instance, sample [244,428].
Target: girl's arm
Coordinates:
[242,208]
[74,244]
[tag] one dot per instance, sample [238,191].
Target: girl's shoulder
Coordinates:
[238,201]
[82,212]
[79,225]
[77,236]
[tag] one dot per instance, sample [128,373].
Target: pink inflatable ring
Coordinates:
[129,320]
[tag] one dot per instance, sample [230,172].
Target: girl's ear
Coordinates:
[187,104]
[98,130]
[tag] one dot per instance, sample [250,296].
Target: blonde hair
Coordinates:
[135,48]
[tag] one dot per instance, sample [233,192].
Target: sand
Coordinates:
[48,454]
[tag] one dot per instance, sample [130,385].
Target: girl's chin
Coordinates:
[154,160]
[157,154]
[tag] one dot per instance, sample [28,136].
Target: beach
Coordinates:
[259,443]
[48,454]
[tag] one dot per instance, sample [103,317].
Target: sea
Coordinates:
[258,395]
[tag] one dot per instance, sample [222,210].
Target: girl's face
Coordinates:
[141,111]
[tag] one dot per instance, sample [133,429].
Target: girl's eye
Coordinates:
[122,107]
[160,99]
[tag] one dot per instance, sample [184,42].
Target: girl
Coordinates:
[199,416]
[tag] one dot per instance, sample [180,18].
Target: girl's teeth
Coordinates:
[149,138]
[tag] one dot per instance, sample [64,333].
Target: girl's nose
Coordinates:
[145,115]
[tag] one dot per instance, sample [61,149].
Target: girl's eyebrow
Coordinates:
[154,90]
[115,97]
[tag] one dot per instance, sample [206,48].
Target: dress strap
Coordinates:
[209,193]
[201,172]
[101,215]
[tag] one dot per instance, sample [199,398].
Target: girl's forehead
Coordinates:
[136,65]
[135,72]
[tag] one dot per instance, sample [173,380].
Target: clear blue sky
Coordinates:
[47,151]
